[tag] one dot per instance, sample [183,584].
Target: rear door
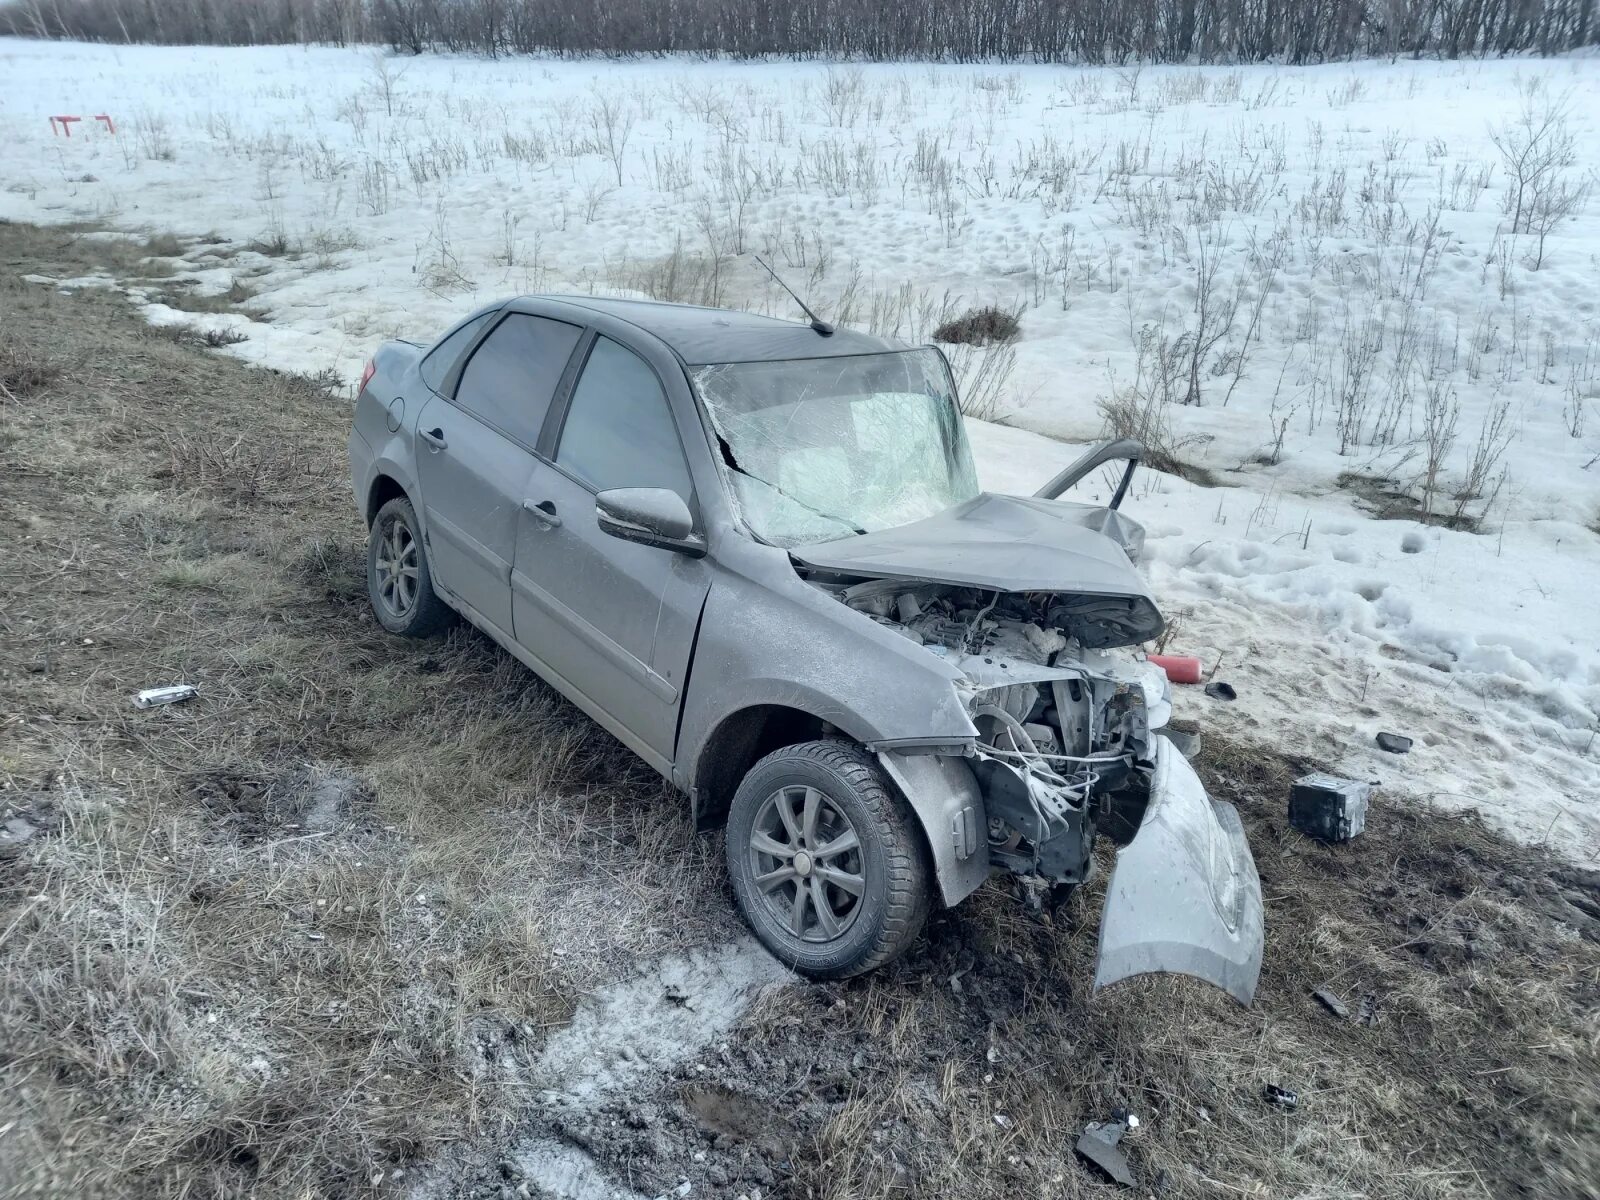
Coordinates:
[474,455]
[613,620]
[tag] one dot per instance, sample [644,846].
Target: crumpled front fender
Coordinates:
[1184,895]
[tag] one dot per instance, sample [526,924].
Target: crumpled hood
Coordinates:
[1004,543]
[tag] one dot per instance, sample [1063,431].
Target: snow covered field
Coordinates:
[1320,258]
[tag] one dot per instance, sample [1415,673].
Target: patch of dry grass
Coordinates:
[299,934]
[24,369]
[979,327]
[187,297]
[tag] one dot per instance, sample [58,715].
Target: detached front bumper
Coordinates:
[1184,895]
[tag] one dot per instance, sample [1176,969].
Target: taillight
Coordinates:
[366,374]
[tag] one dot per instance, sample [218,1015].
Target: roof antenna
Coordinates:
[817,322]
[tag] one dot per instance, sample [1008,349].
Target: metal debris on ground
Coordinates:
[1098,1144]
[1394,743]
[1329,808]
[156,696]
[1332,1003]
[1221,691]
[1280,1097]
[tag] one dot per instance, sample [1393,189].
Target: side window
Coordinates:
[619,430]
[443,356]
[514,371]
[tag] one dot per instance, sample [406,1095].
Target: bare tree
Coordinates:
[1535,148]
[611,119]
[1214,311]
[1091,31]
[1440,414]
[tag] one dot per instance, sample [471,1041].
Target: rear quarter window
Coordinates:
[436,366]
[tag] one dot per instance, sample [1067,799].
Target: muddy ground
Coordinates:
[371,917]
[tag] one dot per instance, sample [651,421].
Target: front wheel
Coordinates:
[826,860]
[399,580]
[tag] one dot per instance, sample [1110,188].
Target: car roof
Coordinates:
[717,335]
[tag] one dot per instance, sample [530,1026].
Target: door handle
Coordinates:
[434,438]
[544,512]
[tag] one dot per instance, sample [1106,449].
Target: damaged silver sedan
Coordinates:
[757,553]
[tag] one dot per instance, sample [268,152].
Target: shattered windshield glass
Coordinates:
[820,448]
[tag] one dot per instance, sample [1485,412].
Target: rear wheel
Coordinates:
[826,860]
[399,581]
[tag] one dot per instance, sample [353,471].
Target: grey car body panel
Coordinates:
[615,617]
[944,793]
[663,649]
[767,638]
[471,491]
[698,336]
[1184,895]
[1004,543]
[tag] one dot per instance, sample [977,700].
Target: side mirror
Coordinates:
[649,516]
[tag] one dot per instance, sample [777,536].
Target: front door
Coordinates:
[474,454]
[613,620]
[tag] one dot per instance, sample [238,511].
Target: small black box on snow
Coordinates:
[1327,807]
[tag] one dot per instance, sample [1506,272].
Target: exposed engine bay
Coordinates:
[1039,609]
[1064,731]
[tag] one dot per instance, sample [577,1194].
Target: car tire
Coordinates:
[402,596]
[838,788]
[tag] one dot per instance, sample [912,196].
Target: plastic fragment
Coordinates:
[1280,1097]
[1185,742]
[1180,668]
[1332,1003]
[152,697]
[1098,1144]
[1218,690]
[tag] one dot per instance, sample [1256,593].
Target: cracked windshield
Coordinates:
[816,449]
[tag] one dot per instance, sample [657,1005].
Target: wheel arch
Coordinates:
[739,741]
[384,488]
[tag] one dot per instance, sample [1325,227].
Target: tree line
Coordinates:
[1086,31]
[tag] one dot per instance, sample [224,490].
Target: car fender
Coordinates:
[942,790]
[766,638]
[795,646]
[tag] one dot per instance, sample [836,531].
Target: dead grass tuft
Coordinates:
[979,327]
[25,370]
[1147,420]
[189,335]
[163,245]
[183,295]
[273,244]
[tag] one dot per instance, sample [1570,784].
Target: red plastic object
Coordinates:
[1180,668]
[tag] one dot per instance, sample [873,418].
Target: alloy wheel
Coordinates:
[397,567]
[805,859]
